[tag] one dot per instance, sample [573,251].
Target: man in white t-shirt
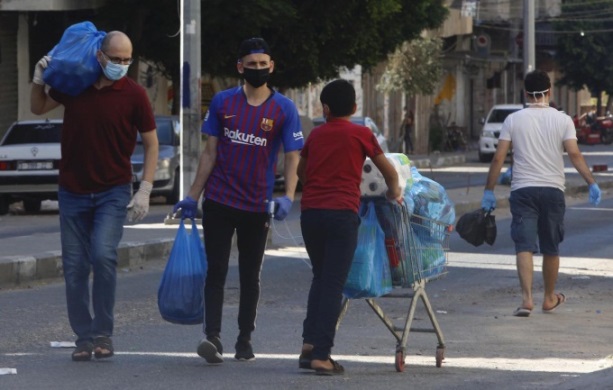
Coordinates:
[538,135]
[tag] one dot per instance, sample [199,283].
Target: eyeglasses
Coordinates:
[118,60]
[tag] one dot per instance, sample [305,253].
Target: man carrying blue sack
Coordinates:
[539,136]
[95,185]
[246,126]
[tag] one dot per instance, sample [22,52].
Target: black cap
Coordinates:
[252,46]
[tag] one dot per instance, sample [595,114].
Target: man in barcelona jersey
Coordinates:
[245,126]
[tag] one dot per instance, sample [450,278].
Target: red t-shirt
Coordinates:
[99,135]
[335,153]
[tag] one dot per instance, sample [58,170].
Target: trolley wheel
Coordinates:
[399,361]
[440,356]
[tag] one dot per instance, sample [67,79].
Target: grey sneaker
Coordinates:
[208,351]
[244,352]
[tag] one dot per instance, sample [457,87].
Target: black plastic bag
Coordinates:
[477,227]
[471,227]
[490,228]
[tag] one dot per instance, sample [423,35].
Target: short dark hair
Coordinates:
[536,81]
[339,96]
[252,46]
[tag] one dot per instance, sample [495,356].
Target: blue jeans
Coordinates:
[91,227]
[330,238]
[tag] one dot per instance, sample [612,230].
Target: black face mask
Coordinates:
[256,77]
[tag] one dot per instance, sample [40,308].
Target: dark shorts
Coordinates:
[537,212]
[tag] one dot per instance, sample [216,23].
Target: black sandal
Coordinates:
[336,369]
[83,352]
[304,360]
[101,343]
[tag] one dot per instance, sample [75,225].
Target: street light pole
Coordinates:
[190,108]
[529,41]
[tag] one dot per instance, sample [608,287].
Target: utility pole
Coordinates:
[529,41]
[190,92]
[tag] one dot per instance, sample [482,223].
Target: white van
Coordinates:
[492,124]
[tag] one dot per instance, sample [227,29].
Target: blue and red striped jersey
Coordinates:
[249,141]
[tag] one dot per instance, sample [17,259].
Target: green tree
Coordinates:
[584,50]
[153,26]
[310,39]
[414,68]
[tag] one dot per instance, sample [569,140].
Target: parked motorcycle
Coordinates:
[594,130]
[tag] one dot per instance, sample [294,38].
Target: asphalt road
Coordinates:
[485,346]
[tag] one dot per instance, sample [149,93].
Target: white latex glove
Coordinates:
[139,205]
[40,67]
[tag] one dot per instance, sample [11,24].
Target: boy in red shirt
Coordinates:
[330,170]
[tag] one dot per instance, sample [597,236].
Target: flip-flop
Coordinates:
[561,299]
[522,312]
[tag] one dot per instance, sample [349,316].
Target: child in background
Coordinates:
[330,170]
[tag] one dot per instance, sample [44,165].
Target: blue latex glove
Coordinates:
[188,206]
[282,206]
[594,194]
[488,202]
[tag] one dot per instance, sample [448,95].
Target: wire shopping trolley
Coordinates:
[417,248]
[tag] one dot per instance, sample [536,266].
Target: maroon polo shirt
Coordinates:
[99,135]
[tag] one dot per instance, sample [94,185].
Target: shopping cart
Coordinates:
[418,249]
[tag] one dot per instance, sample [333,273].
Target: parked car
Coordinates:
[364,121]
[166,181]
[29,162]
[30,153]
[492,124]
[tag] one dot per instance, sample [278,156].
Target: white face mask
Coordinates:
[114,71]
[539,103]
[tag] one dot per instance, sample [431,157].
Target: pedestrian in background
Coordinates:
[95,185]
[330,170]
[245,126]
[539,136]
[406,130]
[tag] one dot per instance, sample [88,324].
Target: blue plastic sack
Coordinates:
[369,275]
[430,199]
[74,66]
[181,291]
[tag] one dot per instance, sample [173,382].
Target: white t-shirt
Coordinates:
[537,135]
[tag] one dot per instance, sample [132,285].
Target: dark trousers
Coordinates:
[408,143]
[219,223]
[330,238]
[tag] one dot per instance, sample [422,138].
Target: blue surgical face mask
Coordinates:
[114,71]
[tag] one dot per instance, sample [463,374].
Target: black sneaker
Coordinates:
[244,352]
[208,351]
[216,342]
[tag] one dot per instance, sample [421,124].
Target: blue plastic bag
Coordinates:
[370,274]
[181,291]
[74,66]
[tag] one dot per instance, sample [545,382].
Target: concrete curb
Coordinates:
[19,270]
